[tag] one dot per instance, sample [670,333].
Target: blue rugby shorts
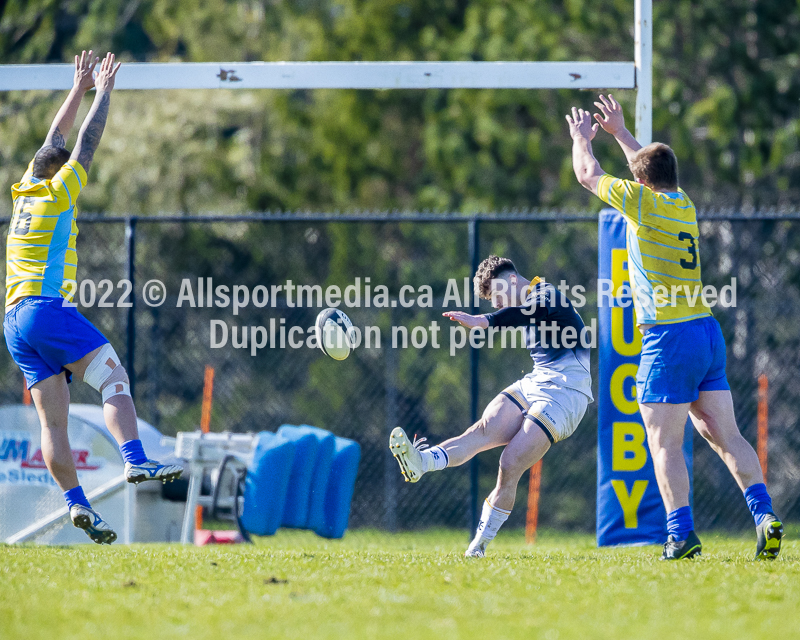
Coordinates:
[680,360]
[43,335]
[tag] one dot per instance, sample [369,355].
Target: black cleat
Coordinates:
[682,549]
[770,534]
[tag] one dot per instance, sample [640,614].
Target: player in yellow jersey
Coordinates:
[682,367]
[45,334]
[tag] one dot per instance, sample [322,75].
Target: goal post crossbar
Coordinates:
[336,75]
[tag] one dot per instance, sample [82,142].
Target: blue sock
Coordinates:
[758,501]
[680,523]
[132,451]
[76,496]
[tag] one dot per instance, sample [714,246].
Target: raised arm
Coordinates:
[95,121]
[613,122]
[587,168]
[65,118]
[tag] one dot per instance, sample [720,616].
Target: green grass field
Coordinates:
[413,586]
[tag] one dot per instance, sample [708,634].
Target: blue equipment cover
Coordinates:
[266,484]
[305,497]
[339,494]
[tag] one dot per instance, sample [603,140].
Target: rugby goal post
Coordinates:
[603,76]
[376,75]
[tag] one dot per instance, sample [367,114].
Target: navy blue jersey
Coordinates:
[555,335]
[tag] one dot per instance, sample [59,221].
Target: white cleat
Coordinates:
[91,522]
[476,550]
[407,454]
[152,470]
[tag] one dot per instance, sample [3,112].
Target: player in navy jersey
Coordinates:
[532,414]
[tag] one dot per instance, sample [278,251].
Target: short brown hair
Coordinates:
[48,160]
[656,166]
[490,269]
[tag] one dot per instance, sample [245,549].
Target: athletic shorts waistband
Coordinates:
[30,299]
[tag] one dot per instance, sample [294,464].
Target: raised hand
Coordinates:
[104,80]
[65,118]
[95,121]
[580,125]
[466,320]
[84,70]
[612,120]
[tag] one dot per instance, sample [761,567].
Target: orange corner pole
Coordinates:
[208,396]
[763,422]
[532,517]
[205,426]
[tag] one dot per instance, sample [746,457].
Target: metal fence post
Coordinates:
[390,467]
[130,246]
[474,385]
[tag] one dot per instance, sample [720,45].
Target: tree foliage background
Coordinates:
[726,97]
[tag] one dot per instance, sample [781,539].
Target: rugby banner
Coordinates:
[629,507]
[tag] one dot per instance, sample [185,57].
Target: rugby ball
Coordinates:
[333,333]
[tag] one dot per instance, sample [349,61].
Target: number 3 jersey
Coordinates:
[663,253]
[40,249]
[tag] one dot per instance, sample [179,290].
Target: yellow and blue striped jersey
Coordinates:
[40,249]
[663,252]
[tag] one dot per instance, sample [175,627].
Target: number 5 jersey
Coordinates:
[40,250]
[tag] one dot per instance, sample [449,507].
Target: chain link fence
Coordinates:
[426,390]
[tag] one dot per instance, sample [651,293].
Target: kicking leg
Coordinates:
[525,449]
[499,424]
[501,421]
[665,424]
[101,369]
[51,399]
[713,417]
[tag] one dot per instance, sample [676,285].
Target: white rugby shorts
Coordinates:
[557,410]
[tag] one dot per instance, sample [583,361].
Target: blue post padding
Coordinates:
[339,495]
[266,484]
[309,475]
[619,422]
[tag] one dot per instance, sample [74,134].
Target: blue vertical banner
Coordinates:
[629,507]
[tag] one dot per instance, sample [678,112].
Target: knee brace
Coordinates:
[106,374]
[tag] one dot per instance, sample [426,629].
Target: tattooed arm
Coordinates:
[65,118]
[92,128]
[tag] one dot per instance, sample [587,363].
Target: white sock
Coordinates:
[492,519]
[435,458]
